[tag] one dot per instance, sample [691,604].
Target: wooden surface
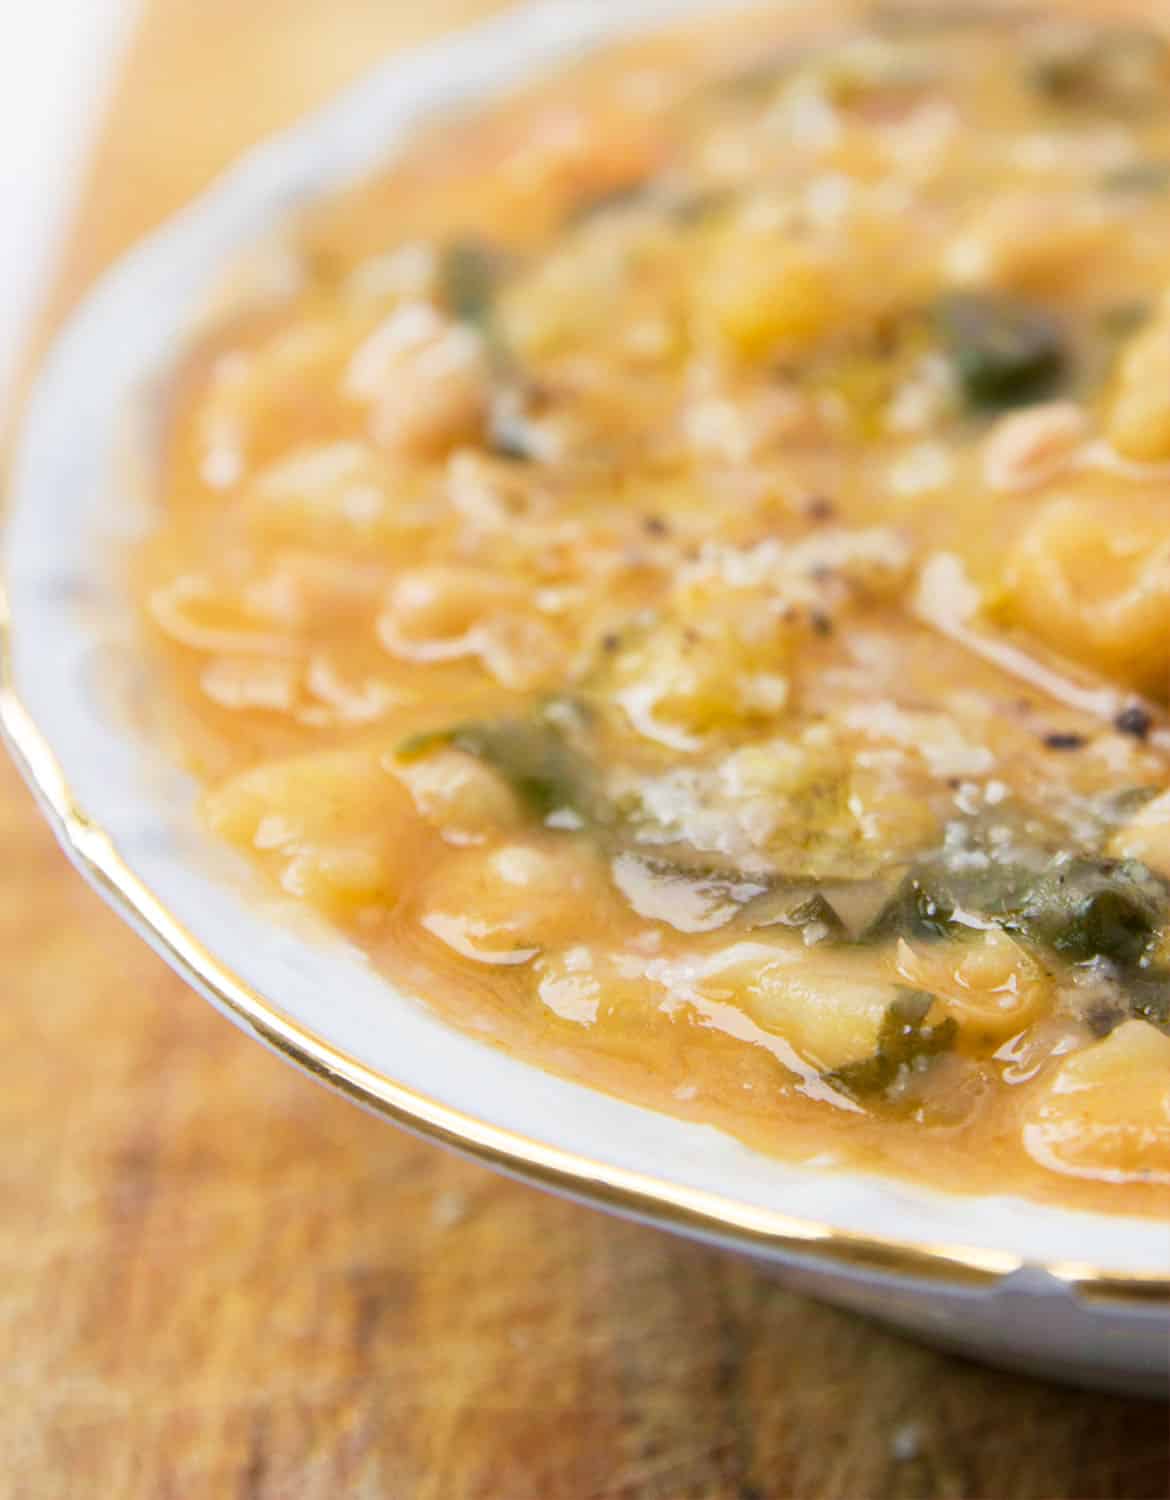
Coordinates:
[218,1280]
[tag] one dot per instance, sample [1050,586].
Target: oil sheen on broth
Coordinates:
[679,571]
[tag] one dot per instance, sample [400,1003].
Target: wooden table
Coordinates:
[218,1280]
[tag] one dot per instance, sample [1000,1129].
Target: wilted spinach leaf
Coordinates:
[796,907]
[934,900]
[469,274]
[1088,908]
[905,1041]
[1148,997]
[1006,353]
[534,756]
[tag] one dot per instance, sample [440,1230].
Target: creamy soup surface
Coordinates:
[678,570]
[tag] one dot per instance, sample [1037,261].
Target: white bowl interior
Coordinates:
[72,511]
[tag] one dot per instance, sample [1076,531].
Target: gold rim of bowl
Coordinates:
[670,1205]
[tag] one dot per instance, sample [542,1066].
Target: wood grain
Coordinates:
[218,1280]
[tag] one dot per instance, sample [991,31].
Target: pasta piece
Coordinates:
[335,494]
[1025,242]
[766,296]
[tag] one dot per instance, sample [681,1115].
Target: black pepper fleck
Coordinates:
[1103,1018]
[1065,741]
[655,526]
[820,508]
[611,642]
[820,623]
[1134,720]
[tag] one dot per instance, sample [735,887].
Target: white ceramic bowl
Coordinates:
[1081,1296]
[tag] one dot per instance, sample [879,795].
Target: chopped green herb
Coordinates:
[760,78]
[1084,908]
[469,278]
[533,755]
[1005,353]
[510,432]
[803,909]
[469,275]
[936,902]
[1123,69]
[1140,177]
[683,894]
[1148,995]
[905,1041]
[918,909]
[926,16]
[1124,319]
[1090,908]
[625,195]
[1117,808]
[698,206]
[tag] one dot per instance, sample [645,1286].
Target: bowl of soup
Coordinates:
[609,596]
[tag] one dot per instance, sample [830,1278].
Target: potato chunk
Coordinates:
[1147,837]
[989,983]
[1105,1112]
[830,1016]
[1025,242]
[335,828]
[507,904]
[763,295]
[466,800]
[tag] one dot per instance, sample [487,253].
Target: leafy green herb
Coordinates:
[468,276]
[1116,808]
[1005,353]
[1082,908]
[920,908]
[1148,995]
[681,893]
[469,279]
[1090,908]
[470,273]
[800,908]
[934,901]
[533,755]
[904,1041]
